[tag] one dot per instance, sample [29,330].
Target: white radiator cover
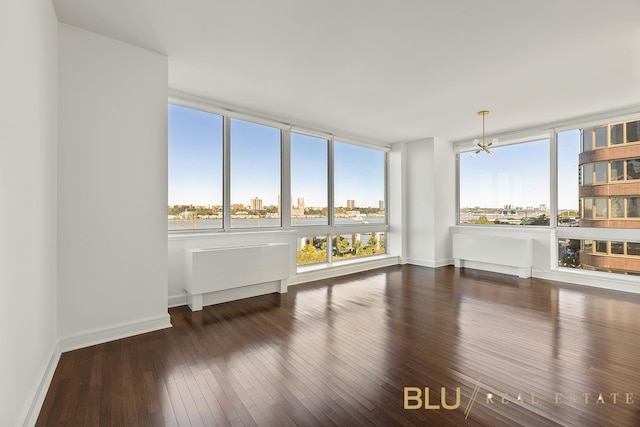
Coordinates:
[216,269]
[502,251]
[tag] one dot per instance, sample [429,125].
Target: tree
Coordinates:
[342,246]
[482,219]
[310,255]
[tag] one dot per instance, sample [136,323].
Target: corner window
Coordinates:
[359,185]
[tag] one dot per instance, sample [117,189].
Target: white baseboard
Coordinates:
[178,300]
[429,263]
[31,410]
[115,332]
[592,279]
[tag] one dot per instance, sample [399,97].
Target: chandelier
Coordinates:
[482,146]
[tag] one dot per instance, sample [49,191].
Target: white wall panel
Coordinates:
[112,183]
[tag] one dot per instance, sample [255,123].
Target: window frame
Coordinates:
[301,231]
[556,231]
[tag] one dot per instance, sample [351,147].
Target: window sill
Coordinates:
[326,266]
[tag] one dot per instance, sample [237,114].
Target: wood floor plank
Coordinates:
[341,352]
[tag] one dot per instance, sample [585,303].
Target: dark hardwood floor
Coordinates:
[342,351]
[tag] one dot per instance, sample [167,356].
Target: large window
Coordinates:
[226,173]
[359,184]
[255,175]
[511,187]
[309,180]
[195,169]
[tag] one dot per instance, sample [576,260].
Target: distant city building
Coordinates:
[610,194]
[300,202]
[381,205]
[255,204]
[351,204]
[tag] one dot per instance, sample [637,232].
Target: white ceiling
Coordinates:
[389,71]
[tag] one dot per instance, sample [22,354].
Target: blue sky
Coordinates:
[519,175]
[195,166]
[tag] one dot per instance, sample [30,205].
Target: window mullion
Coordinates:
[331,200]
[285,180]
[226,170]
[553,179]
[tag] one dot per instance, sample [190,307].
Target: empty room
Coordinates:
[283,213]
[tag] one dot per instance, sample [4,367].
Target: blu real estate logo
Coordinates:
[420,398]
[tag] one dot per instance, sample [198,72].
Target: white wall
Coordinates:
[397,201]
[430,168]
[444,199]
[112,238]
[28,88]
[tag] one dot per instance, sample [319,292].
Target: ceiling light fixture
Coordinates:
[482,146]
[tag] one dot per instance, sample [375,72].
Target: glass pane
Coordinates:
[617,134]
[617,170]
[359,180]
[358,245]
[588,209]
[617,207]
[601,136]
[569,255]
[587,174]
[587,139]
[633,169]
[568,178]
[504,189]
[312,250]
[255,175]
[309,188]
[633,131]
[601,172]
[601,207]
[194,169]
[617,248]
[633,207]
